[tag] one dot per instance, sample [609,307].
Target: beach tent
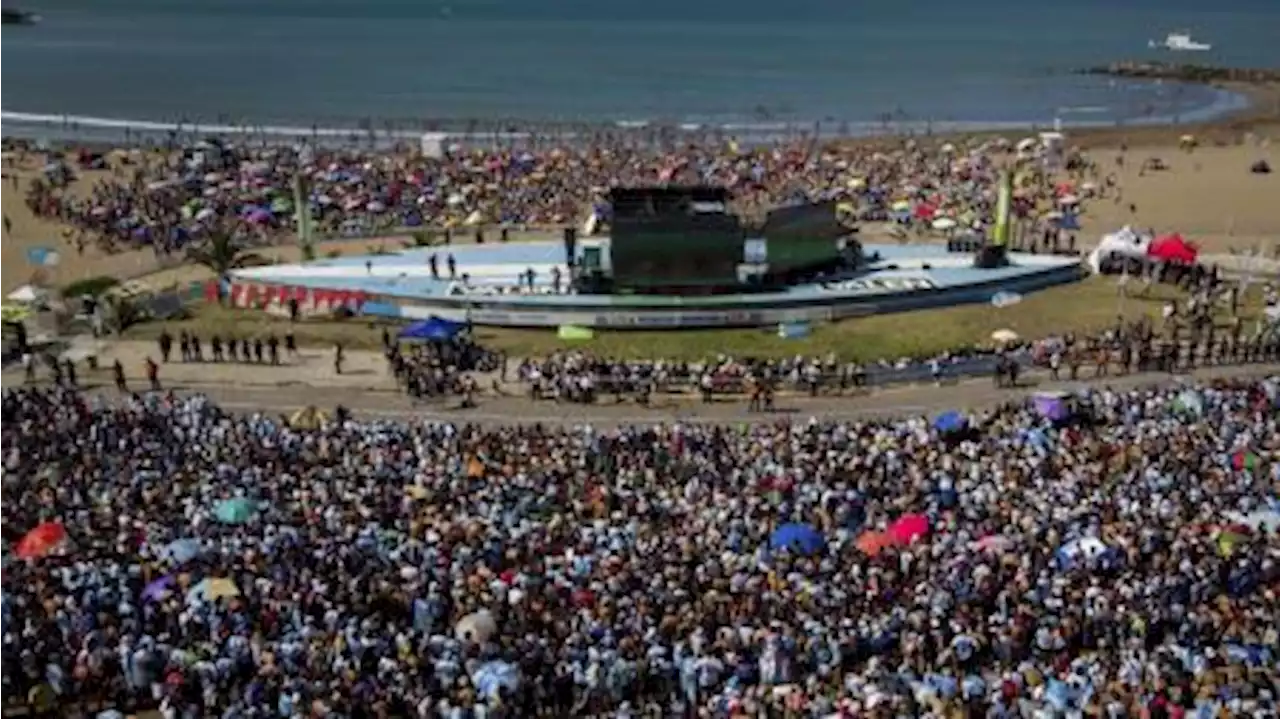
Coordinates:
[1173,248]
[432,329]
[1124,243]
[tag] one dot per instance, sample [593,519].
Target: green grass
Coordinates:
[1088,306]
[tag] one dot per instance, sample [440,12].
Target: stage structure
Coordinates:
[685,241]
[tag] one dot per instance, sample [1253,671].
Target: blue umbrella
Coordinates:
[180,551]
[799,538]
[235,511]
[491,677]
[948,422]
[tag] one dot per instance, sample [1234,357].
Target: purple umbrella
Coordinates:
[1051,406]
[156,590]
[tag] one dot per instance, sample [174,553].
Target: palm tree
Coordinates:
[222,252]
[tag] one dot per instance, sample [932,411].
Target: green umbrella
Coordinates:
[281,205]
[235,511]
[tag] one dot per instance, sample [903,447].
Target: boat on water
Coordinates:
[1179,42]
[13,16]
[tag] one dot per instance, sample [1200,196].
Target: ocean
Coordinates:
[850,66]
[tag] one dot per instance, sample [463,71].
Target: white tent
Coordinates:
[27,294]
[1124,243]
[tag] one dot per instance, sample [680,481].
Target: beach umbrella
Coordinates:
[1189,401]
[900,206]
[944,223]
[1050,405]
[797,537]
[908,528]
[950,421]
[491,677]
[156,590]
[1243,460]
[1004,299]
[1005,335]
[1085,548]
[235,511]
[41,541]
[211,590]
[1228,541]
[1261,520]
[1068,200]
[281,205]
[872,543]
[180,551]
[994,543]
[476,627]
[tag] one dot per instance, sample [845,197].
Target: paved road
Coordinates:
[892,401]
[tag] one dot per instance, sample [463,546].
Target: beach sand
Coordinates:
[1208,195]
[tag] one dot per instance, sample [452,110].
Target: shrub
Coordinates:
[92,286]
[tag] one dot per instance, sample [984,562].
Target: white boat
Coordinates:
[1179,42]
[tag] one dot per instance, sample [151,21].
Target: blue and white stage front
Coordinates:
[526,285]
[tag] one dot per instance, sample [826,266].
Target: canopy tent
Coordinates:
[1173,248]
[432,329]
[27,294]
[1125,243]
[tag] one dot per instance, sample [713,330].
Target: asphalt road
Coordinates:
[890,401]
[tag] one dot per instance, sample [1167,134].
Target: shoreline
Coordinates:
[1240,107]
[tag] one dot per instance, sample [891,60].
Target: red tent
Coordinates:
[1173,248]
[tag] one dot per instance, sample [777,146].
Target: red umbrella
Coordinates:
[1173,248]
[909,528]
[211,291]
[41,540]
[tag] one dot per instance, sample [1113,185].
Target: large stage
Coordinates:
[491,287]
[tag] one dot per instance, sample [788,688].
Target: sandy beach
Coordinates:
[1208,194]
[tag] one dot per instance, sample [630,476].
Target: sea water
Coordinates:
[851,66]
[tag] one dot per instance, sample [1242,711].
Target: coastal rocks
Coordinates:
[1184,72]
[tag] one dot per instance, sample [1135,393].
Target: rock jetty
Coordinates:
[1185,72]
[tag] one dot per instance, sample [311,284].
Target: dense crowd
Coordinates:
[163,198]
[1112,554]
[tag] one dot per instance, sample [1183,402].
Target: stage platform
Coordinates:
[490,288]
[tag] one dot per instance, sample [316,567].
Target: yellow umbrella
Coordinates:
[1227,542]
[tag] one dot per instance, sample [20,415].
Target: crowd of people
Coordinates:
[1113,554]
[162,198]
[441,368]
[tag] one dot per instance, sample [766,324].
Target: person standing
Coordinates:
[165,340]
[153,375]
[273,349]
[337,358]
[117,369]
